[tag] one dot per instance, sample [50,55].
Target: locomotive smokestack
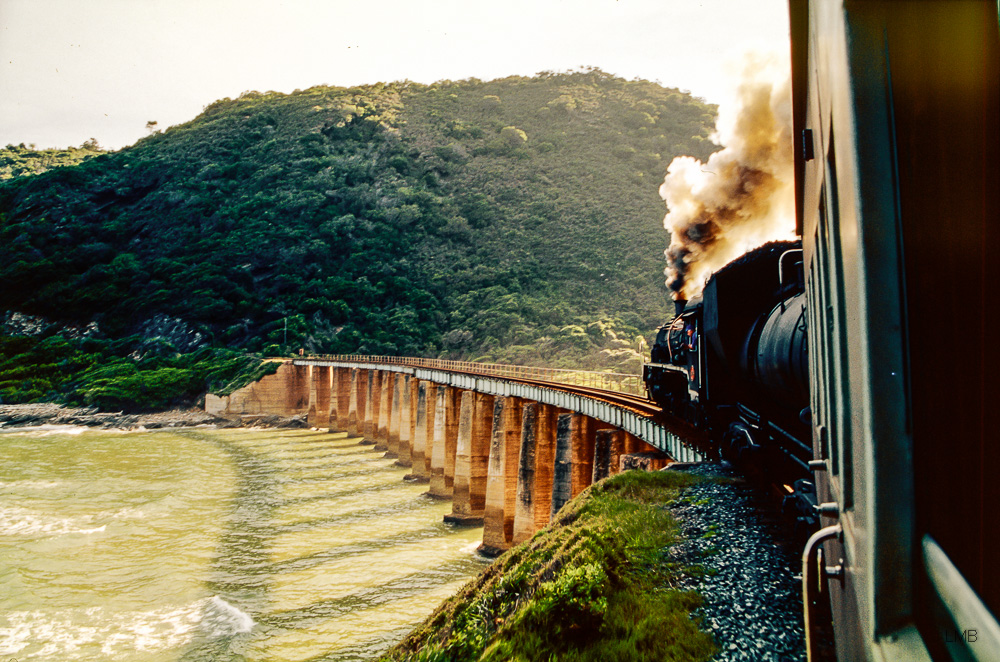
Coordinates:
[679,306]
[742,197]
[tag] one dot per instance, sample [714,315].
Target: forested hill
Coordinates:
[515,219]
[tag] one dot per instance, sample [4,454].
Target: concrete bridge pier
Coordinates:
[616,449]
[334,411]
[312,372]
[426,395]
[414,401]
[438,489]
[501,484]
[472,454]
[406,423]
[430,421]
[445,442]
[524,510]
[535,470]
[363,399]
[342,380]
[452,411]
[356,400]
[545,458]
[384,410]
[562,469]
[324,391]
[395,411]
[296,392]
[365,415]
[602,454]
[376,406]
[583,432]
[319,397]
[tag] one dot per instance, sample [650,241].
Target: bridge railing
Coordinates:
[609,381]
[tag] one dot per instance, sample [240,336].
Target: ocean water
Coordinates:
[202,544]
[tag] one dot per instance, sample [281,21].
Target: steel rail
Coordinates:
[608,381]
[532,376]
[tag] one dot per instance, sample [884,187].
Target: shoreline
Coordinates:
[18,416]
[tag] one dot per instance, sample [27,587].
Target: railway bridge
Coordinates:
[509,445]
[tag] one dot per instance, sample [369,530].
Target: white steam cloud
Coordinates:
[743,197]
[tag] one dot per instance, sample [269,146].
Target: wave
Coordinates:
[43,430]
[16,485]
[223,619]
[16,521]
[79,634]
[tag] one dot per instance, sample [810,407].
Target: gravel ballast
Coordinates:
[751,580]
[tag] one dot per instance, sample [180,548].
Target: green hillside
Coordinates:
[513,220]
[18,160]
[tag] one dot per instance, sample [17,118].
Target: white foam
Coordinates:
[130,513]
[21,521]
[44,430]
[151,630]
[14,638]
[18,521]
[118,633]
[223,619]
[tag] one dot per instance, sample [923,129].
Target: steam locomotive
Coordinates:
[733,363]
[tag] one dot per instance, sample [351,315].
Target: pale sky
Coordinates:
[77,69]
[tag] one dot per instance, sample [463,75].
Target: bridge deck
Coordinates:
[613,398]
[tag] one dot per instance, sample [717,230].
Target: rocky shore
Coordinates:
[31,415]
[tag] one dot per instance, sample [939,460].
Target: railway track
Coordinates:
[638,404]
[559,380]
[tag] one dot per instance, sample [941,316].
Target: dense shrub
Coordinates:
[451,220]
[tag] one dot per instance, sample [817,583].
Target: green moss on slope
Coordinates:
[593,586]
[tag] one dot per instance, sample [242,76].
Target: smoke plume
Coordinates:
[742,198]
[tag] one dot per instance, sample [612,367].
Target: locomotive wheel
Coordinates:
[739,446]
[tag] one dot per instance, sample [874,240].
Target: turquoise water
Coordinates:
[202,544]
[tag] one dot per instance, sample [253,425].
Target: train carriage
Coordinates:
[896,112]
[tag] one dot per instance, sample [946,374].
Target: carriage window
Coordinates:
[839,340]
[825,350]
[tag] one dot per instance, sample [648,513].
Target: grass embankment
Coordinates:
[594,585]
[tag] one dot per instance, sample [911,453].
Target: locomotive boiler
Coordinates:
[734,364]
